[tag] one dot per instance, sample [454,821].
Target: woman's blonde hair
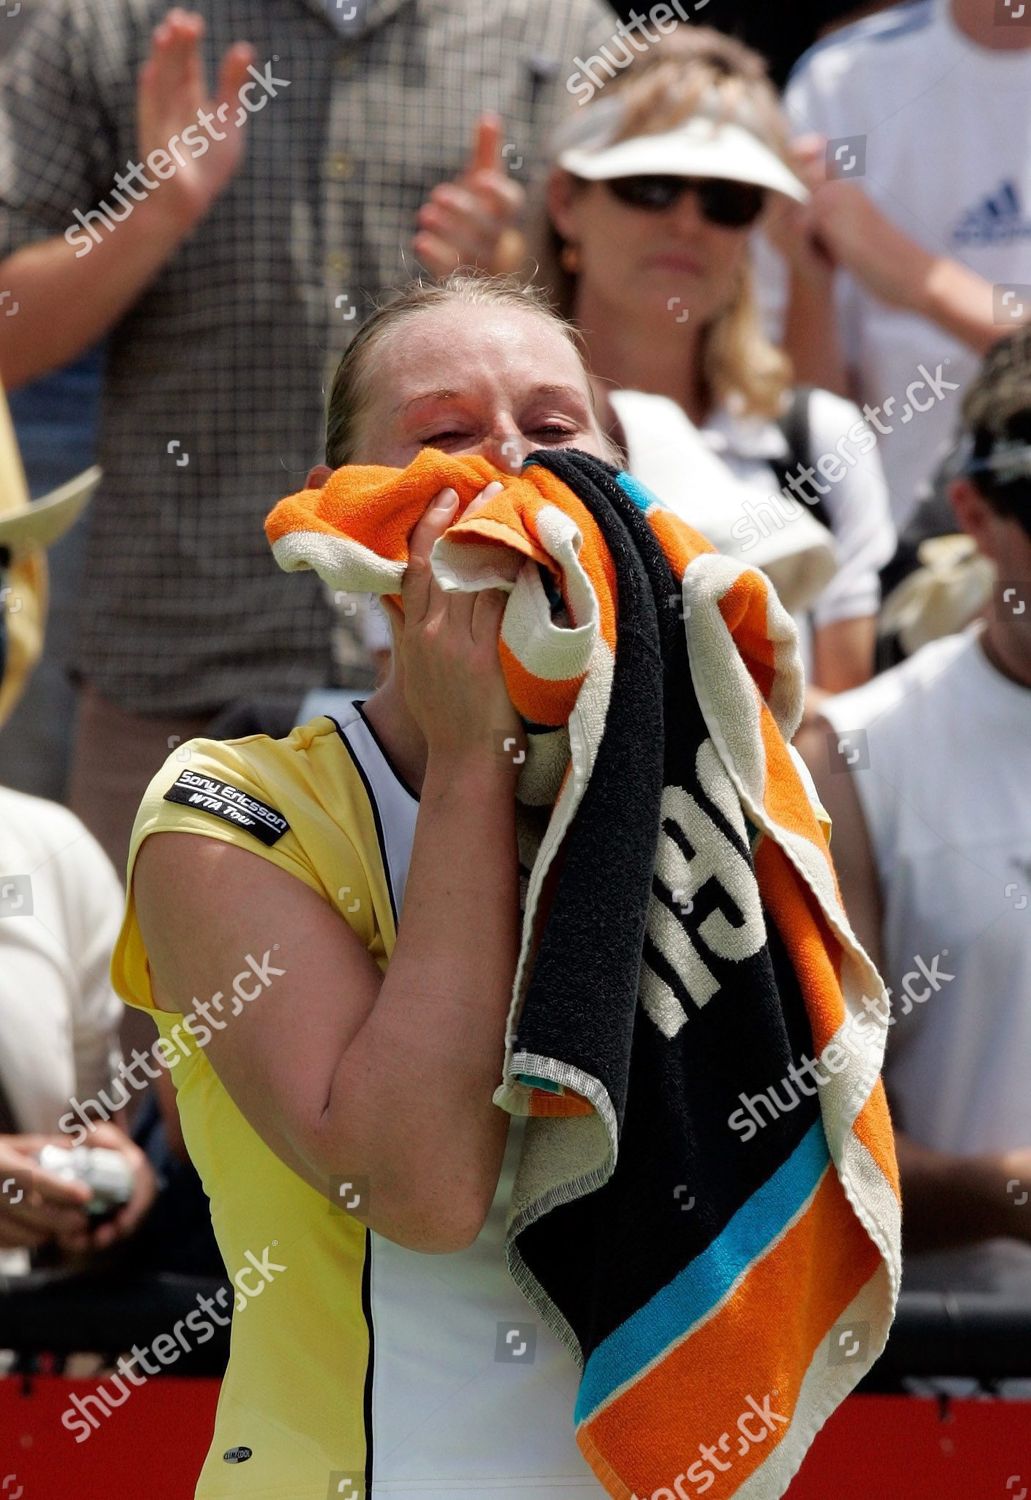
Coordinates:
[349,397]
[694,68]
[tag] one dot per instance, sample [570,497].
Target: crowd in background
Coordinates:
[805,314]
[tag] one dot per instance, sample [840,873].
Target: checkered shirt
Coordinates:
[213,402]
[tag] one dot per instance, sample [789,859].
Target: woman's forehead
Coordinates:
[461,345]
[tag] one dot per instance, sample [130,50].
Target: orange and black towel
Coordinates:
[706,1208]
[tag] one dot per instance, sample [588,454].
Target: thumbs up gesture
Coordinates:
[472,222]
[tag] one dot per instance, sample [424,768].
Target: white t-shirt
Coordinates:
[690,470]
[856,499]
[60,911]
[942,767]
[946,130]
[668,454]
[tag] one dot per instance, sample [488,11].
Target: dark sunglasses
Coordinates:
[731,205]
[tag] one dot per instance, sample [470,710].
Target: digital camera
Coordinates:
[106,1173]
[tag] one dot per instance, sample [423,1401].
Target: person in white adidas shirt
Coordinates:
[922,239]
[925,774]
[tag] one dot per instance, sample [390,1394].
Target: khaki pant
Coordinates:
[114,757]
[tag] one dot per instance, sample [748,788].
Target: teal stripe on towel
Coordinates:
[696,1290]
[548,1084]
[639,493]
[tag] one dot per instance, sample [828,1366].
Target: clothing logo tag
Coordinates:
[228,802]
[237,1455]
[998,218]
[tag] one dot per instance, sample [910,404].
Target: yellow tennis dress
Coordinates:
[357,1367]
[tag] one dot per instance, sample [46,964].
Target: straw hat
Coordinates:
[951,587]
[26,528]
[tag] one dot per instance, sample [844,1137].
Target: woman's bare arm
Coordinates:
[843,653]
[343,1073]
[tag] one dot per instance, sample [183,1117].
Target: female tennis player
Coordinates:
[325,928]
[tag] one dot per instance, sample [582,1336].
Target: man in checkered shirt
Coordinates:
[229,284]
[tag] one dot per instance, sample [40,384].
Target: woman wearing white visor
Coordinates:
[656,188]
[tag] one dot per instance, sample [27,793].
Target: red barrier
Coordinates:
[152,1446]
[873,1448]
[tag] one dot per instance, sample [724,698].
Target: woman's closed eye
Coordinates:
[549,432]
[439,439]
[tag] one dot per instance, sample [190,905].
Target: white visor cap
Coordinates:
[700,147]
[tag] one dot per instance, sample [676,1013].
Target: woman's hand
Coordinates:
[473,221]
[450,672]
[842,226]
[35,1206]
[791,227]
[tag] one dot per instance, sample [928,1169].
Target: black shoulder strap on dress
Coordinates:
[794,424]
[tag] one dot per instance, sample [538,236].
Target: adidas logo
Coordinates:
[997,220]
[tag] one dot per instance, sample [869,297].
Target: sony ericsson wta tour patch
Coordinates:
[223,800]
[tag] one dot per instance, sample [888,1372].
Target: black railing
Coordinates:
[976,1335]
[50,1314]
[973,1335]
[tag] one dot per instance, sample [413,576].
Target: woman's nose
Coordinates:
[687,214]
[506,450]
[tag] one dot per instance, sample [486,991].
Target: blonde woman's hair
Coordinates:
[349,397]
[695,68]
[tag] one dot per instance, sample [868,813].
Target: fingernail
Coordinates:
[494,488]
[446,500]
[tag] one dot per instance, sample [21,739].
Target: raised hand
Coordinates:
[792,228]
[473,221]
[843,227]
[177,115]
